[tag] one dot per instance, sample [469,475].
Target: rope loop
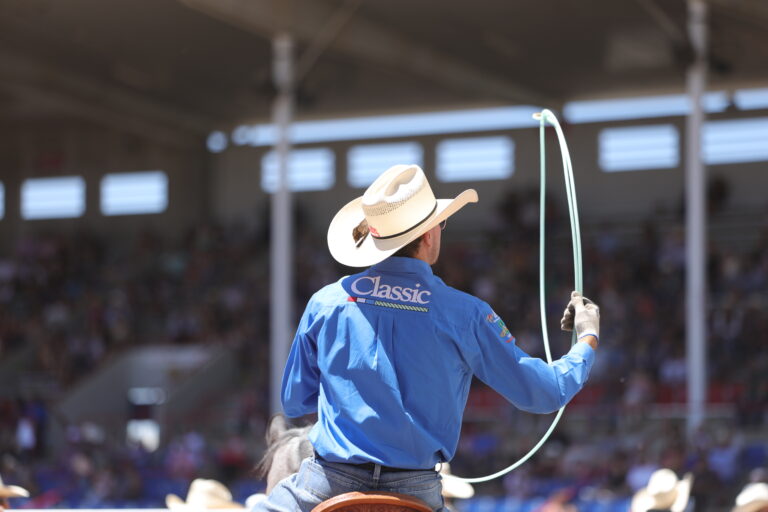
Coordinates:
[546,116]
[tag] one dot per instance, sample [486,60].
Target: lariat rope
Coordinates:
[546,116]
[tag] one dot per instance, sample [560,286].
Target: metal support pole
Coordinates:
[281,236]
[696,222]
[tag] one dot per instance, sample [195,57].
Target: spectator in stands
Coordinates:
[724,455]
[638,394]
[707,491]
[640,472]
[559,501]
[232,457]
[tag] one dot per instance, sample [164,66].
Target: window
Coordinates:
[591,111]
[308,169]
[2,200]
[475,158]
[747,99]
[131,193]
[53,198]
[639,147]
[741,140]
[366,162]
[401,125]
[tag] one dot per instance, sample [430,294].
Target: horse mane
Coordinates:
[277,439]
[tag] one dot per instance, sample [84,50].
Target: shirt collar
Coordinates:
[400,264]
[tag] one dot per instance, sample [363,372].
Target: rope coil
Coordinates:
[546,116]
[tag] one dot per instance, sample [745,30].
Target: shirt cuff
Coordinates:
[583,350]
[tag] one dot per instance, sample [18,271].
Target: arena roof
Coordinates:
[196,65]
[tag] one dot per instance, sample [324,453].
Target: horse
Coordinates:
[286,448]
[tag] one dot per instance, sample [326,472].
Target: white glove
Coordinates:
[584,314]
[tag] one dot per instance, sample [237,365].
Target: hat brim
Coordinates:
[173,502]
[13,491]
[753,506]
[345,250]
[683,493]
[454,487]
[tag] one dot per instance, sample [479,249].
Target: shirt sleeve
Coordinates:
[301,378]
[530,383]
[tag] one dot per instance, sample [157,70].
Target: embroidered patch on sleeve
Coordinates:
[504,333]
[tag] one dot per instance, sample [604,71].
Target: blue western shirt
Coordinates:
[386,358]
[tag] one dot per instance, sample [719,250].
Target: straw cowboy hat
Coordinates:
[398,208]
[203,494]
[454,487]
[12,491]
[663,492]
[752,498]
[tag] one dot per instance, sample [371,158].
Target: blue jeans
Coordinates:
[318,480]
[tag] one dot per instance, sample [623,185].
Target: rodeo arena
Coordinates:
[384,255]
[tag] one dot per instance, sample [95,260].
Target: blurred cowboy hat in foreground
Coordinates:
[203,494]
[663,492]
[753,498]
[453,486]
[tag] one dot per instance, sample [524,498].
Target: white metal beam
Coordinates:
[696,223]
[281,234]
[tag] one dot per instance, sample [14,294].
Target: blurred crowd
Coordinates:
[75,302]
[630,419]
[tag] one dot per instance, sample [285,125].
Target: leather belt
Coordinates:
[368,466]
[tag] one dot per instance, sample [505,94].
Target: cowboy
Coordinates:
[385,357]
[663,492]
[10,491]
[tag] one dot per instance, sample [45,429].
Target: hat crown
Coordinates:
[204,492]
[399,200]
[662,482]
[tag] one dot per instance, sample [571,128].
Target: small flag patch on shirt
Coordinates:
[504,333]
[385,304]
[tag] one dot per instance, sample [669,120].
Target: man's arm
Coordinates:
[301,378]
[530,383]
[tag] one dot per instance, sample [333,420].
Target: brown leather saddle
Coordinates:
[372,502]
